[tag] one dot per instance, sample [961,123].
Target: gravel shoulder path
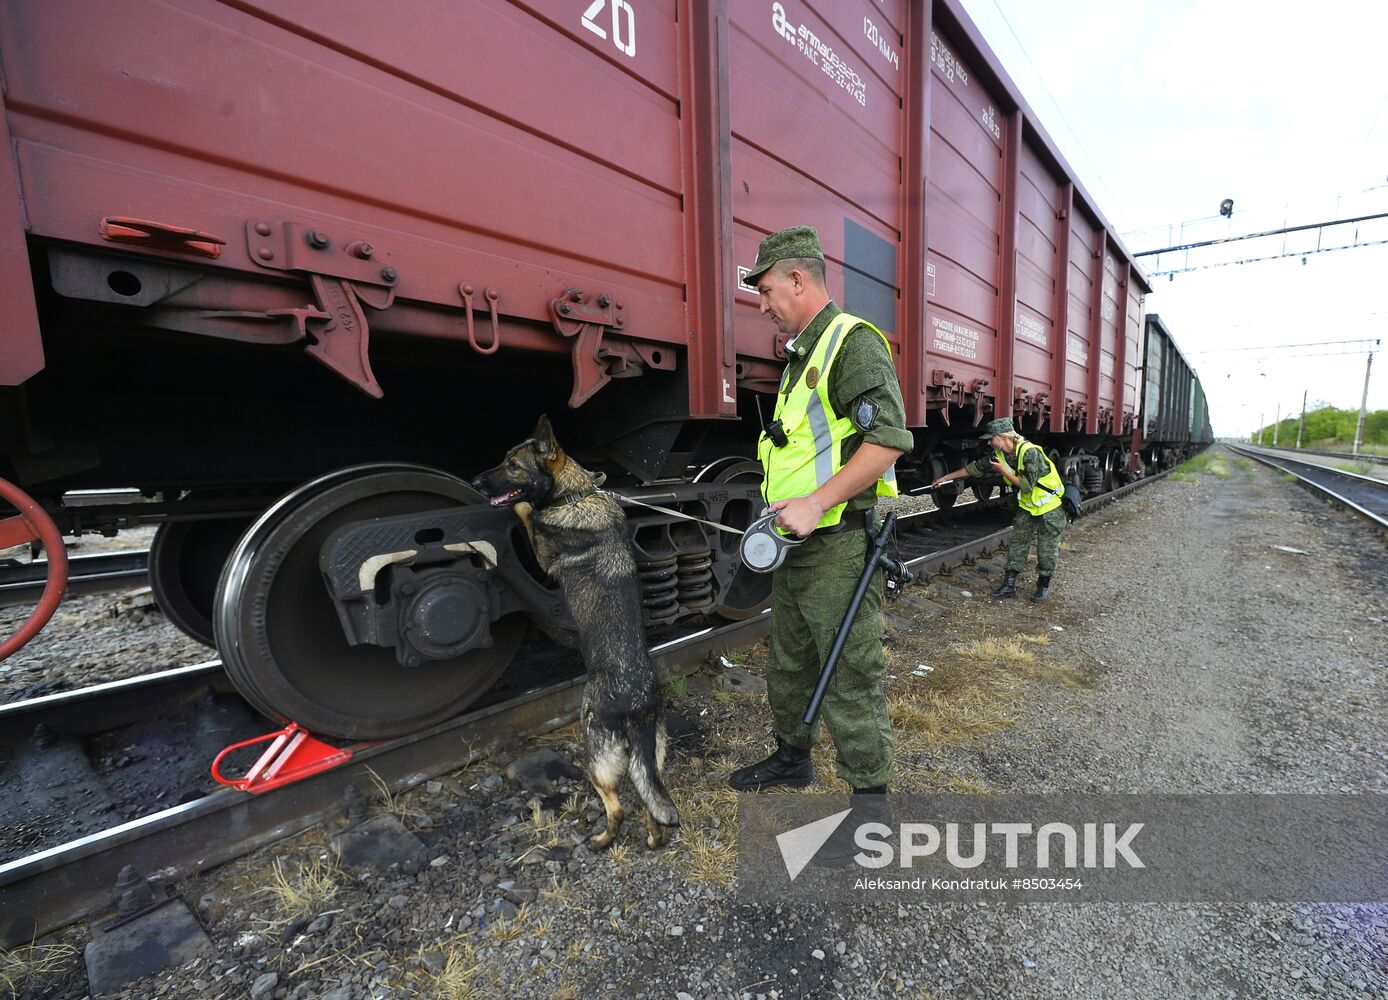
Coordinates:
[1192,654]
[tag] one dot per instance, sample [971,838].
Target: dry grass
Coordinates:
[507,931]
[1008,665]
[561,738]
[557,893]
[578,951]
[457,980]
[544,825]
[29,965]
[573,806]
[712,849]
[393,802]
[302,889]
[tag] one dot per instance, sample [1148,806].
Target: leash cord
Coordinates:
[675,513]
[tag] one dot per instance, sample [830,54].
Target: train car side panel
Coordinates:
[832,161]
[965,179]
[1081,310]
[1132,355]
[328,115]
[21,344]
[1104,378]
[1038,255]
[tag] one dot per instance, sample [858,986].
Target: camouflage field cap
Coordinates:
[797,241]
[1003,425]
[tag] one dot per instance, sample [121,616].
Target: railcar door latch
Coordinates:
[595,362]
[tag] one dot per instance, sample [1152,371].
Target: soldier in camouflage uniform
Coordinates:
[1040,516]
[812,588]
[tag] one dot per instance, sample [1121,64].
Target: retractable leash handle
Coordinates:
[763,547]
[877,556]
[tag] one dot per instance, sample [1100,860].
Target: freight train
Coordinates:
[294,269]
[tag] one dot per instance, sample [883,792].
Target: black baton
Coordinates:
[877,556]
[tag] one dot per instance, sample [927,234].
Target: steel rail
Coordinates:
[57,886]
[1347,456]
[1284,465]
[934,562]
[21,583]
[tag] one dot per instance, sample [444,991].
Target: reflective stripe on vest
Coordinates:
[814,433]
[1045,495]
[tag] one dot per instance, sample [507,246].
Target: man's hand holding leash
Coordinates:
[801,515]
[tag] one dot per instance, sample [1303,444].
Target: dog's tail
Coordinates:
[647,739]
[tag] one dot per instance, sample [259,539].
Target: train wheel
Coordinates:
[185,562]
[278,632]
[1110,459]
[749,594]
[982,493]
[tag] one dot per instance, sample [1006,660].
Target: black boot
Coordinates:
[787,766]
[1043,590]
[1009,585]
[870,805]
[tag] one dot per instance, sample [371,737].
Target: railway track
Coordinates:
[64,740]
[22,582]
[1344,456]
[1362,494]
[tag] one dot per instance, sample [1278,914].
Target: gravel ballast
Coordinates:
[1182,651]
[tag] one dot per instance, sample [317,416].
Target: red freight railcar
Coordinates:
[472,213]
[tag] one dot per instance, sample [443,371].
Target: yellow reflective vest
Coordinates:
[1046,494]
[813,452]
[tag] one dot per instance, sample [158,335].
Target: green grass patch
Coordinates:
[1204,464]
[1357,468]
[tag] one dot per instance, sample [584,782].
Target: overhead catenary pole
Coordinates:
[1301,426]
[1276,425]
[1261,418]
[1363,403]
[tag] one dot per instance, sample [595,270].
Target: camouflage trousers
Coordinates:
[809,596]
[1046,530]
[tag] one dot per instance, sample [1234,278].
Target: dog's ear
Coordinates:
[544,437]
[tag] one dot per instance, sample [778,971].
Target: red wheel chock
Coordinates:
[32,524]
[293,754]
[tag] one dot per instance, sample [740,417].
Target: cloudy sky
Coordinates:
[1166,107]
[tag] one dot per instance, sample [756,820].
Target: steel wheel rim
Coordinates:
[278,633]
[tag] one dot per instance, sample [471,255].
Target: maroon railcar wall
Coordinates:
[819,124]
[1027,286]
[582,177]
[526,147]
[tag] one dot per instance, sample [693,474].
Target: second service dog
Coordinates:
[580,539]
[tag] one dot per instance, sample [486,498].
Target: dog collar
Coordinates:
[574,496]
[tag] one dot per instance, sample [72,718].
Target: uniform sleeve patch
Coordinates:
[865,413]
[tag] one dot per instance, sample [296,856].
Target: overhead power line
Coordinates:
[1275,256]
[1278,347]
[1268,232]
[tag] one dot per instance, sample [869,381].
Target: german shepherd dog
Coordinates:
[580,539]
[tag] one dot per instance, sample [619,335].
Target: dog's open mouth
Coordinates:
[506,498]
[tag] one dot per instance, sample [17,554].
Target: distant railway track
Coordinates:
[57,883]
[1367,497]
[1344,456]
